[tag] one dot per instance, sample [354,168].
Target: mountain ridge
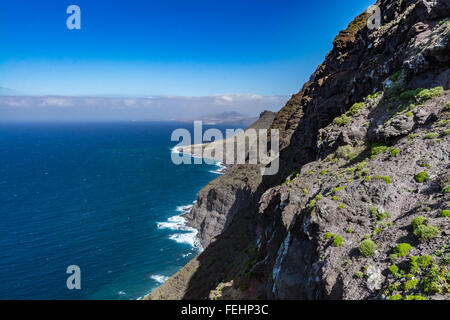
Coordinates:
[363,190]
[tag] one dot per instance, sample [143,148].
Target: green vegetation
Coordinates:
[338,240]
[342,120]
[373,96]
[418,221]
[373,211]
[367,248]
[425,233]
[356,108]
[411,284]
[377,149]
[382,216]
[431,135]
[394,152]
[396,75]
[342,206]
[425,261]
[445,213]
[409,114]
[447,107]
[446,132]
[335,190]
[422,177]
[386,179]
[402,249]
[421,95]
[345,152]
[436,280]
[328,235]
[394,270]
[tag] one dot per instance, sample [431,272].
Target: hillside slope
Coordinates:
[360,208]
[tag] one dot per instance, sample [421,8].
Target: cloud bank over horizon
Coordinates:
[155,108]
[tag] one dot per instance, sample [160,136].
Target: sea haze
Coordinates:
[105,197]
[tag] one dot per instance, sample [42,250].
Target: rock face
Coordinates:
[365,157]
[221,199]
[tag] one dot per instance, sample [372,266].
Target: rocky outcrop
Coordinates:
[359,209]
[219,201]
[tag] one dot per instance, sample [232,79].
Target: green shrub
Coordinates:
[402,249]
[431,135]
[422,177]
[446,132]
[447,107]
[359,274]
[435,280]
[342,206]
[409,114]
[328,235]
[386,179]
[394,270]
[425,233]
[445,213]
[342,120]
[415,297]
[338,241]
[377,149]
[345,152]
[311,204]
[396,297]
[335,190]
[425,261]
[394,152]
[373,211]
[418,221]
[367,248]
[411,284]
[421,95]
[355,108]
[373,96]
[428,94]
[413,265]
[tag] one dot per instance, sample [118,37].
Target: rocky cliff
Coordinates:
[360,208]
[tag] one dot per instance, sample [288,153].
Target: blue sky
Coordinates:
[167,47]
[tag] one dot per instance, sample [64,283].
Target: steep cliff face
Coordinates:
[219,201]
[360,207]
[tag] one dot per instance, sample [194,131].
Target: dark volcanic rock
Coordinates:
[353,141]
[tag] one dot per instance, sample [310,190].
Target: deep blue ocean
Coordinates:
[104,197]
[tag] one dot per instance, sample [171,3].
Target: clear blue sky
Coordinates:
[179,47]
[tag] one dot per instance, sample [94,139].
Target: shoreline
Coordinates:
[178,222]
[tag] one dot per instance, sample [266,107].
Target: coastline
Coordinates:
[178,222]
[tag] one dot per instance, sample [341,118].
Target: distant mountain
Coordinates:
[230,117]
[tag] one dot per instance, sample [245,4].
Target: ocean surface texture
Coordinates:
[104,197]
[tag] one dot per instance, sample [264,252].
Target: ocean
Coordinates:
[103,196]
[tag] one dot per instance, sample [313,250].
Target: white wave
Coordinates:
[185,209]
[174,223]
[189,238]
[159,278]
